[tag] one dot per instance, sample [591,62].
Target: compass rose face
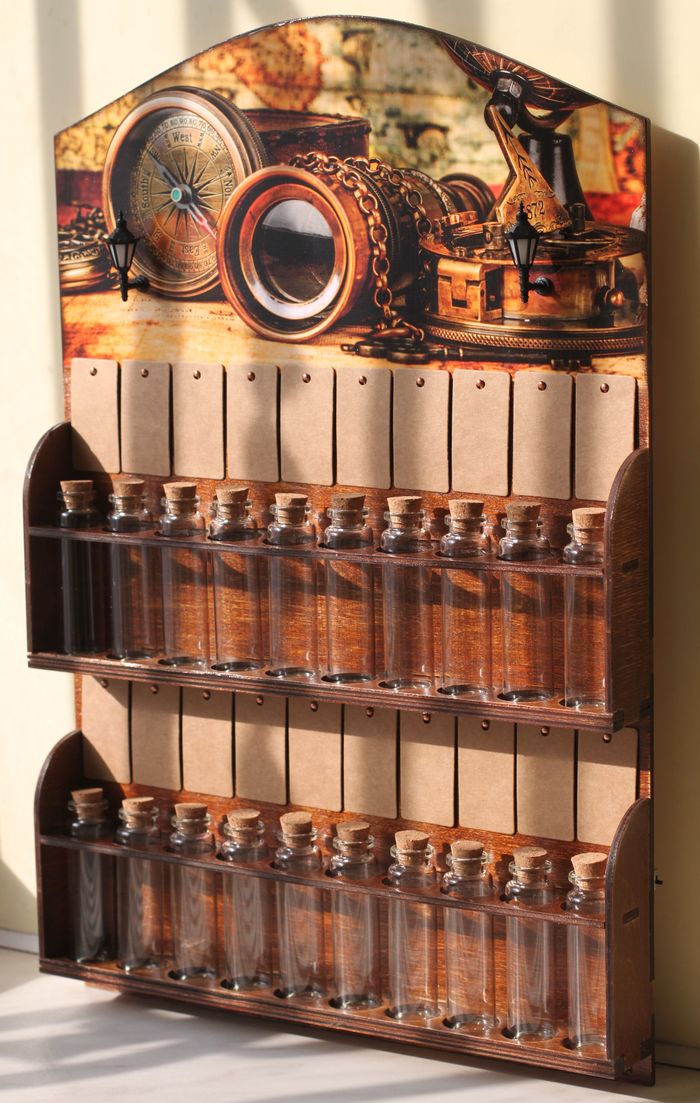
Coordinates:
[173,164]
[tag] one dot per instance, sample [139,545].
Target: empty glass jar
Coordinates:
[585,948]
[349,593]
[407,594]
[292,591]
[237,614]
[585,644]
[466,604]
[300,941]
[135,581]
[355,915]
[83,572]
[139,888]
[412,930]
[530,963]
[185,577]
[192,896]
[526,607]
[469,973]
[246,901]
[91,879]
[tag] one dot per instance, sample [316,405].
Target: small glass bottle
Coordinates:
[526,607]
[530,964]
[185,578]
[91,878]
[586,956]
[83,572]
[192,895]
[407,593]
[246,901]
[135,582]
[237,618]
[466,604]
[349,593]
[412,930]
[300,941]
[355,916]
[292,591]
[139,888]
[469,972]
[585,649]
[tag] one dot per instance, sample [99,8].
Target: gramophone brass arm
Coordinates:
[525,184]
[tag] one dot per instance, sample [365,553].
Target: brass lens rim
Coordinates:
[239,138]
[240,280]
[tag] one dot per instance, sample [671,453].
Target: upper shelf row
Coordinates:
[472,431]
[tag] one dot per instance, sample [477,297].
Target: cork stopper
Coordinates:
[347,503]
[229,495]
[466,509]
[243,825]
[589,524]
[138,811]
[590,866]
[404,504]
[297,825]
[128,488]
[530,863]
[77,493]
[89,804]
[523,512]
[411,847]
[180,492]
[191,818]
[355,831]
[467,849]
[291,508]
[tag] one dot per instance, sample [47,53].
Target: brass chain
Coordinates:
[348,173]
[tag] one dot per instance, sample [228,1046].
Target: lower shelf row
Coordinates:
[509,971]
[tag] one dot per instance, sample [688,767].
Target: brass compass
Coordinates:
[172,164]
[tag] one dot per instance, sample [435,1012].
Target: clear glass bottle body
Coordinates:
[466,616]
[292,601]
[184,587]
[83,581]
[300,941]
[91,886]
[237,591]
[349,601]
[355,925]
[469,973]
[407,602]
[526,609]
[193,904]
[247,918]
[585,947]
[412,941]
[530,963]
[140,898]
[585,648]
[135,585]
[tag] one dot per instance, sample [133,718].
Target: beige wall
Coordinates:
[64,58]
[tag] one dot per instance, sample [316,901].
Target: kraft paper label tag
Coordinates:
[145,417]
[480,431]
[198,420]
[542,434]
[369,761]
[105,727]
[315,768]
[306,423]
[363,426]
[545,782]
[486,774]
[604,437]
[421,416]
[207,742]
[95,414]
[251,422]
[608,768]
[155,735]
[261,742]
[427,768]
